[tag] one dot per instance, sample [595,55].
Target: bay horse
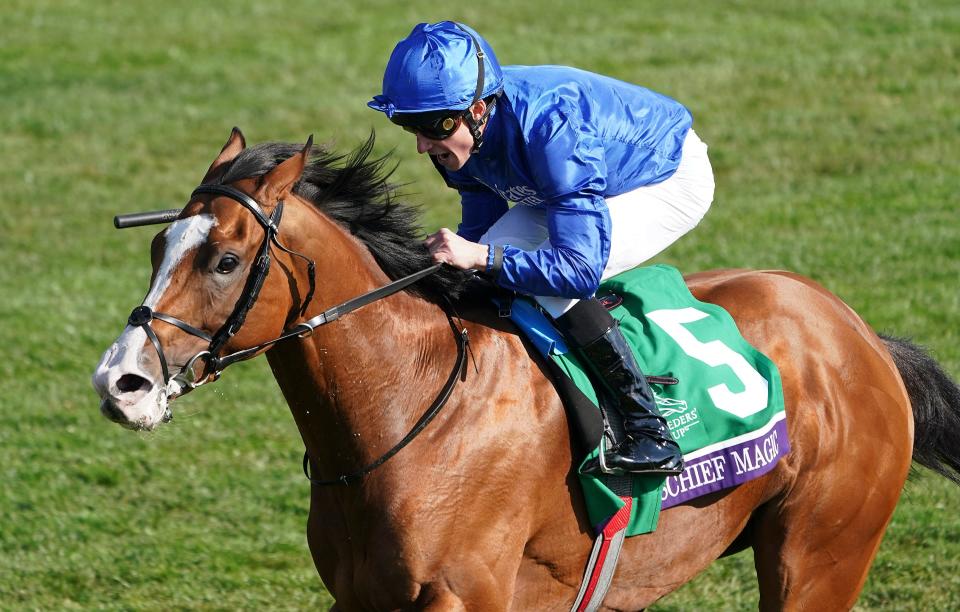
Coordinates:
[482,510]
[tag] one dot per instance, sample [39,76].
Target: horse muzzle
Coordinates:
[129,395]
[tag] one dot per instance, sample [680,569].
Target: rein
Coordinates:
[305,329]
[143,315]
[458,371]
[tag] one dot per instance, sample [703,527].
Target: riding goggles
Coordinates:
[437,125]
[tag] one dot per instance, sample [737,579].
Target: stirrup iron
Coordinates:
[602,459]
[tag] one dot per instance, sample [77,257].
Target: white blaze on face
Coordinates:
[145,405]
[182,237]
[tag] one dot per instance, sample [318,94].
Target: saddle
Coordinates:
[721,397]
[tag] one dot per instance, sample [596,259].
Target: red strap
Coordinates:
[617,523]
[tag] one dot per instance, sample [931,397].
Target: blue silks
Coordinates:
[564,139]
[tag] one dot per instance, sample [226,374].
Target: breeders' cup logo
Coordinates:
[680,417]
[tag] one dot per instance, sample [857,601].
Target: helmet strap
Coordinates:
[476,125]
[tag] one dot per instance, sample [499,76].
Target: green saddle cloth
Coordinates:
[726,412]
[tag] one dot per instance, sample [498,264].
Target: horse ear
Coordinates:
[228,153]
[278,183]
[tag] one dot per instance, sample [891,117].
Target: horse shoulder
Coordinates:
[520,429]
[513,394]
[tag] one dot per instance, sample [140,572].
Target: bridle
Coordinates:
[143,315]
[215,363]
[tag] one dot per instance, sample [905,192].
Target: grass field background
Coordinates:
[833,129]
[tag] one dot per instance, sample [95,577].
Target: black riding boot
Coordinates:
[648,446]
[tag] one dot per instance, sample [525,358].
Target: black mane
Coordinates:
[354,191]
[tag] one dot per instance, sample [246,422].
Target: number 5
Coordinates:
[715,353]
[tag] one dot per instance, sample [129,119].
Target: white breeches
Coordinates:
[643,222]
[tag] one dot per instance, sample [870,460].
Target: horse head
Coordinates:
[210,271]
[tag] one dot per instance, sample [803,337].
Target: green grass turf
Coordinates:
[833,129]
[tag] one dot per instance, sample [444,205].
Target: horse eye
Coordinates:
[228,263]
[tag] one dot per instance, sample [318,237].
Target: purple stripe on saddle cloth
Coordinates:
[728,463]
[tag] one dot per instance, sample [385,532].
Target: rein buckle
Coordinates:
[188,368]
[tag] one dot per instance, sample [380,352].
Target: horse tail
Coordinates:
[935,398]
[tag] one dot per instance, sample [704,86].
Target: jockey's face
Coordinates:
[454,151]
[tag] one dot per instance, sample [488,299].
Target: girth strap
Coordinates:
[602,563]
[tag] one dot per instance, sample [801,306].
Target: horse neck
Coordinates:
[357,384]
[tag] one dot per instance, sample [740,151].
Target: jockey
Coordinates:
[603,175]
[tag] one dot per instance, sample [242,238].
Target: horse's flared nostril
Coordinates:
[128,383]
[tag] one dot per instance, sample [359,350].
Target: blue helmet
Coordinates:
[437,68]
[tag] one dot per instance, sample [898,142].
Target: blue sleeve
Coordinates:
[571,267]
[567,162]
[481,209]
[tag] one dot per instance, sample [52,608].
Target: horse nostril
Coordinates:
[129,383]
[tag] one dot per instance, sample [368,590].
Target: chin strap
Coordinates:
[475,126]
